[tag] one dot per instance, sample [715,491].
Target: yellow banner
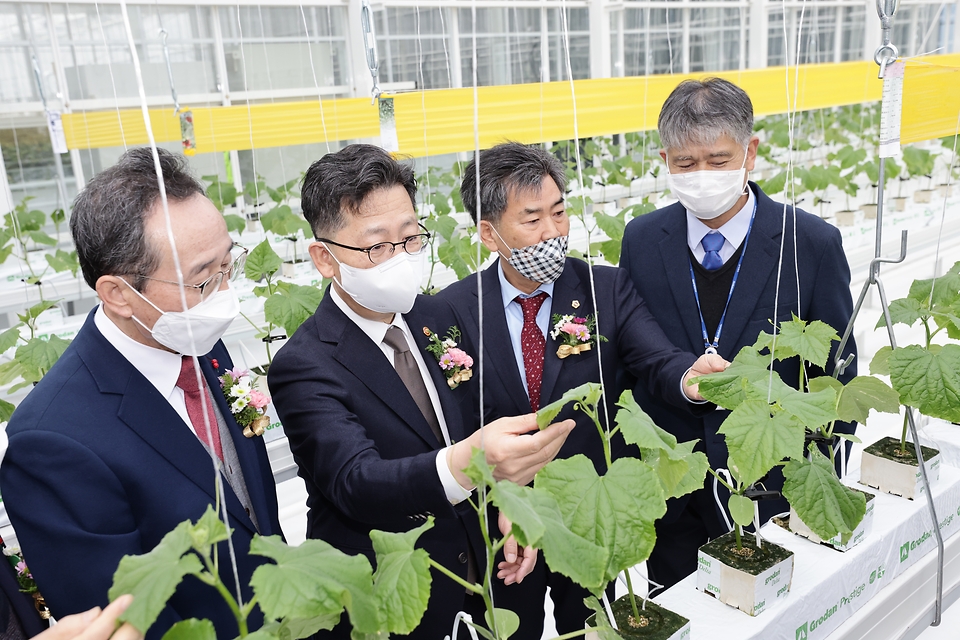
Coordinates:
[443,121]
[931,98]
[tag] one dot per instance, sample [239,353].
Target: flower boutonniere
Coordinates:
[26,583]
[575,334]
[454,362]
[247,405]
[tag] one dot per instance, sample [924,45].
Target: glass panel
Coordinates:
[23,25]
[578,31]
[854,25]
[508,45]
[715,38]
[276,50]
[412,43]
[652,41]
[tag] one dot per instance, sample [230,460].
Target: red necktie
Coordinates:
[532,344]
[191,396]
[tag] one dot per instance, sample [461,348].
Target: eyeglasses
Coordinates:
[383,251]
[212,284]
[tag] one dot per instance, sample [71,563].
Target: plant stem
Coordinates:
[577,634]
[736,531]
[633,598]
[215,581]
[721,480]
[475,588]
[903,434]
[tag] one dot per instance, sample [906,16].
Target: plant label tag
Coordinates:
[890,110]
[57,136]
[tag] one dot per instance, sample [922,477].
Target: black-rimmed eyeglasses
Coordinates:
[212,284]
[383,251]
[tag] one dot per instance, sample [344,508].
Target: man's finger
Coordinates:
[528,563]
[106,623]
[510,550]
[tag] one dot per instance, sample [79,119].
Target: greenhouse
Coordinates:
[486,318]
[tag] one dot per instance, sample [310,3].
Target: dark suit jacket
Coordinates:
[634,342]
[100,466]
[655,254]
[366,452]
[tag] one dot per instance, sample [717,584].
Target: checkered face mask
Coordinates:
[541,262]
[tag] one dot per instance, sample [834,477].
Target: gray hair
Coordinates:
[700,111]
[108,216]
[341,180]
[507,168]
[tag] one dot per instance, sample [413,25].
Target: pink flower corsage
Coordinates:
[247,404]
[454,362]
[575,334]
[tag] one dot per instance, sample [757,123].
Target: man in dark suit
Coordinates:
[522,218]
[123,439]
[374,427]
[746,254]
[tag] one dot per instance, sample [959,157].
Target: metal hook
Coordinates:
[370,45]
[166,57]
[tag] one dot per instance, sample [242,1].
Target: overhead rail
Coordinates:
[442,120]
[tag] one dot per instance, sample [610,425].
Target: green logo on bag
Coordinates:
[802,632]
[904,552]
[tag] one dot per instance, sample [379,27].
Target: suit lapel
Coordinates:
[364,359]
[498,348]
[565,291]
[448,403]
[246,449]
[760,259]
[676,265]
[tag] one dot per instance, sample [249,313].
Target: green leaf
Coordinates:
[864,393]
[261,262]
[928,380]
[588,393]
[314,580]
[602,628]
[63,261]
[479,472]
[758,439]
[6,411]
[680,471]
[638,428]
[152,578]
[57,216]
[443,226]
[235,223]
[9,338]
[191,629]
[849,436]
[613,226]
[507,622]
[741,509]
[616,511]
[811,341]
[814,409]
[282,221]
[822,502]
[775,184]
[880,365]
[946,290]
[291,305]
[401,583]
[726,388]
[208,531]
[34,312]
[563,550]
[39,355]
[903,311]
[41,238]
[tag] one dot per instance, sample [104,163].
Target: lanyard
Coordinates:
[709,347]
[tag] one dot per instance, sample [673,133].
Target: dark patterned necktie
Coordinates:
[532,344]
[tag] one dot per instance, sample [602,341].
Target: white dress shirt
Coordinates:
[514,314]
[734,231]
[377,331]
[161,368]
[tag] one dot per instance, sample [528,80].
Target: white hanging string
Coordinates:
[316,84]
[266,59]
[180,283]
[943,212]
[565,35]
[113,83]
[246,89]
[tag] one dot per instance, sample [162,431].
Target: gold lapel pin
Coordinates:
[426,332]
[575,304]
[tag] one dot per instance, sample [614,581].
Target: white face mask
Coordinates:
[708,194]
[390,287]
[207,323]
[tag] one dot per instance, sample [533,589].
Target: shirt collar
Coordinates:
[161,368]
[734,230]
[509,292]
[375,329]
